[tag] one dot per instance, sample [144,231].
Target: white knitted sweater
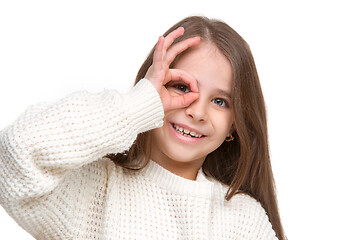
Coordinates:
[56,185]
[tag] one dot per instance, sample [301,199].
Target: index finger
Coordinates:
[178,74]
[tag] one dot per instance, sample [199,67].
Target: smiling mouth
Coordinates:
[186,132]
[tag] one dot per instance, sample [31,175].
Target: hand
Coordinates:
[159,73]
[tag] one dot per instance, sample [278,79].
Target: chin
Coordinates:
[186,158]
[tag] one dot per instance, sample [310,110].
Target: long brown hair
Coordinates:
[244,163]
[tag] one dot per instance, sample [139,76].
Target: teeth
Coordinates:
[186,132]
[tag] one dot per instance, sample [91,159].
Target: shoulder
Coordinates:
[254,217]
[251,217]
[242,201]
[248,206]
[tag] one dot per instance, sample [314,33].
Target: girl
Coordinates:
[188,150]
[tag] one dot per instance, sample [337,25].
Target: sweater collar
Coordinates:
[201,187]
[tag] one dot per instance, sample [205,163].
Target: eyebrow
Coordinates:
[223,93]
[219,91]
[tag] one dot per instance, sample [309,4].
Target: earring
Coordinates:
[229,138]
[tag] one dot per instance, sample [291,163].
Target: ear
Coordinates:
[232,129]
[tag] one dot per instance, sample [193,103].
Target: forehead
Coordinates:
[208,65]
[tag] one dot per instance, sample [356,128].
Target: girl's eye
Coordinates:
[220,102]
[182,88]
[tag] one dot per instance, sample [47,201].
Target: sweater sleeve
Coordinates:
[48,140]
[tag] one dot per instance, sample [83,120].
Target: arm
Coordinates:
[48,157]
[49,140]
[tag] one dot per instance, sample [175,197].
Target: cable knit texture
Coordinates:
[56,184]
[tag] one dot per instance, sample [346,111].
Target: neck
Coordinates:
[185,169]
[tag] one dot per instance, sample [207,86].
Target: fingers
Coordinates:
[160,74]
[183,100]
[180,47]
[177,74]
[187,98]
[170,38]
[173,51]
[158,54]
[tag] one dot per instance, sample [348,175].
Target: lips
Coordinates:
[187,131]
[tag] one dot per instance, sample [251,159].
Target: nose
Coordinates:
[197,111]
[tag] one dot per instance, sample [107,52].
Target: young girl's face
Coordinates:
[190,134]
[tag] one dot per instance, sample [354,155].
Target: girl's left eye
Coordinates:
[220,102]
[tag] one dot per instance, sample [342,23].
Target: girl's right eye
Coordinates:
[182,88]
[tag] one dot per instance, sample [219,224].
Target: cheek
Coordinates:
[174,92]
[170,113]
[223,123]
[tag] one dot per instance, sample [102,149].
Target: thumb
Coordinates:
[183,100]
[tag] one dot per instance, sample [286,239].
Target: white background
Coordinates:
[307,55]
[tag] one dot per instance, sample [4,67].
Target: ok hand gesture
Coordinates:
[159,73]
